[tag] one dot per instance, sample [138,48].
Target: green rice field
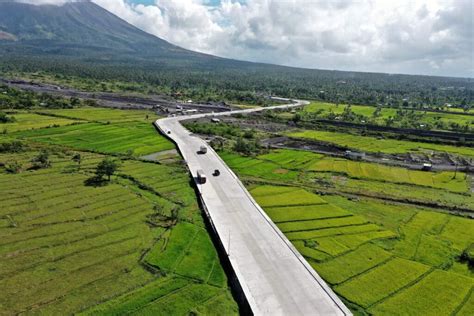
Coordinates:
[374,145]
[139,138]
[137,245]
[27,121]
[408,248]
[292,165]
[375,254]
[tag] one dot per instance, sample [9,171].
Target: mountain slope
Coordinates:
[81,28]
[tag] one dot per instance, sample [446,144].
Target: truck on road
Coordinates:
[201,177]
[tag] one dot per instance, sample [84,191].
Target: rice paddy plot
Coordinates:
[335,231]
[169,181]
[459,231]
[296,197]
[133,300]
[186,301]
[188,251]
[368,288]
[416,233]
[309,252]
[328,245]
[439,293]
[467,306]
[290,159]
[268,190]
[435,251]
[338,244]
[355,240]
[137,138]
[348,265]
[27,121]
[304,212]
[258,168]
[388,216]
[66,247]
[321,223]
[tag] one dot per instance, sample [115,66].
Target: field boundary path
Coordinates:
[274,277]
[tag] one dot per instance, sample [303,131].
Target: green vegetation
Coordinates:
[71,247]
[11,98]
[439,293]
[26,121]
[372,144]
[106,167]
[351,264]
[403,117]
[364,170]
[367,288]
[101,114]
[4,118]
[381,257]
[102,137]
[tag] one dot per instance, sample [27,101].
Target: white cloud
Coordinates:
[405,36]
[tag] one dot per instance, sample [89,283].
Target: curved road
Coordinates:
[275,278]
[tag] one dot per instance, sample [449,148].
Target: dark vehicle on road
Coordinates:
[216,173]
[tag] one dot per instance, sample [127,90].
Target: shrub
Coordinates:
[41,160]
[13,167]
[12,147]
[6,119]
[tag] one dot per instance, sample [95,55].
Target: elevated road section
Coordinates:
[274,277]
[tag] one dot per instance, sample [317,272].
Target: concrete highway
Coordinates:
[275,278]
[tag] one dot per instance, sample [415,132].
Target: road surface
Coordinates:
[275,278]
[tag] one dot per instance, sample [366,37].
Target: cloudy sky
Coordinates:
[404,36]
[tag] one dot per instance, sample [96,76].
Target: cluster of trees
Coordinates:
[247,147]
[4,118]
[14,146]
[11,98]
[244,140]
[248,83]
[403,118]
[218,129]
